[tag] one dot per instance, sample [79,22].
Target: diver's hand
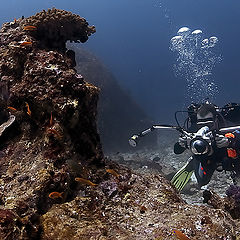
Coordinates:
[221,141]
[182,141]
[203,131]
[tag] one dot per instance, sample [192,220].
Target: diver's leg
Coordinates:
[203,175]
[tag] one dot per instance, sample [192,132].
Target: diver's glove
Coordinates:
[182,141]
[181,145]
[221,141]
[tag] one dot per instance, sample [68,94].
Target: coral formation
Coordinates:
[137,207]
[233,197]
[234,192]
[55,27]
[52,29]
[47,116]
[229,204]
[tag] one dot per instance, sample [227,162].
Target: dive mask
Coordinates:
[209,122]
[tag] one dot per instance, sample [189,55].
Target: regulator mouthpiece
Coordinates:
[133,140]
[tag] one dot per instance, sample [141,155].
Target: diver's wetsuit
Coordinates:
[204,166]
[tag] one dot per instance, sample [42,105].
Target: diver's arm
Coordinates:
[232,144]
[234,140]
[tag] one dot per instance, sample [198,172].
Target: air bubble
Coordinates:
[184,31]
[195,61]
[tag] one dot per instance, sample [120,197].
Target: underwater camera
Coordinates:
[201,142]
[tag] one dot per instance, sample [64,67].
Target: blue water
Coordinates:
[133,36]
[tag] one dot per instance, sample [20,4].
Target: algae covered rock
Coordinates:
[54,111]
[148,209]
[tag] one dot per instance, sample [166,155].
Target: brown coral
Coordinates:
[55,27]
[36,83]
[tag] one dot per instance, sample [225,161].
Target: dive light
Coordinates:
[133,140]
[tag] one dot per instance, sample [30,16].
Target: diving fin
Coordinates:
[181,178]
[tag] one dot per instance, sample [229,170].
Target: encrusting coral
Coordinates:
[230,203]
[234,192]
[48,117]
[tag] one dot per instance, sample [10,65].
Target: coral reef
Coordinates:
[229,204]
[55,181]
[142,207]
[233,200]
[48,116]
[55,27]
[49,29]
[234,192]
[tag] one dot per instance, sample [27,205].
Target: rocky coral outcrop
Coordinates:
[55,182]
[144,207]
[55,119]
[49,29]
[55,27]
[229,203]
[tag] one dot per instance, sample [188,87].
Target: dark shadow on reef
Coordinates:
[118,114]
[55,182]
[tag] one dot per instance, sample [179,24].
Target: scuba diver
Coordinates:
[213,144]
[224,154]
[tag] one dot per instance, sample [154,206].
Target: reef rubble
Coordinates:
[55,181]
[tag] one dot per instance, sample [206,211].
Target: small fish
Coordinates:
[113,172]
[85,181]
[51,120]
[180,235]
[55,195]
[28,109]
[30,28]
[12,108]
[15,20]
[23,44]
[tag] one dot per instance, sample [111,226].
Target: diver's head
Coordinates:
[207,116]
